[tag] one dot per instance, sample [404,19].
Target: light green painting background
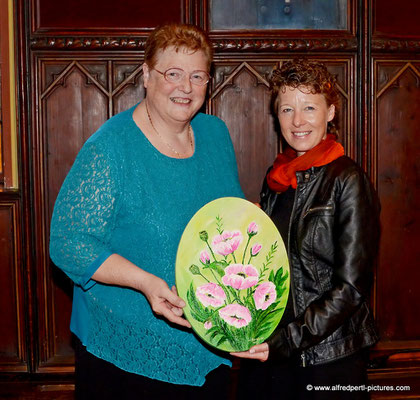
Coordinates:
[236,214]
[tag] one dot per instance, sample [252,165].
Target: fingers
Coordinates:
[159,293]
[259,348]
[172,317]
[165,301]
[176,310]
[258,352]
[253,356]
[172,297]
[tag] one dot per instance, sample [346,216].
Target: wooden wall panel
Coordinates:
[241,98]
[67,121]
[396,121]
[97,15]
[12,327]
[128,84]
[396,19]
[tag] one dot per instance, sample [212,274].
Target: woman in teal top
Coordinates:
[119,217]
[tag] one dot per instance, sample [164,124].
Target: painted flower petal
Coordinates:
[240,276]
[205,257]
[265,295]
[207,325]
[227,242]
[211,294]
[252,228]
[236,315]
[256,248]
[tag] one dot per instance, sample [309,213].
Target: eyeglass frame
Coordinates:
[180,69]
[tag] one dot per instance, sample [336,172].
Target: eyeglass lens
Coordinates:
[175,75]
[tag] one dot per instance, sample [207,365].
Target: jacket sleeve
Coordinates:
[356,234]
[267,196]
[84,214]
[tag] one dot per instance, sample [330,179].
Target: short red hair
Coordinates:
[178,36]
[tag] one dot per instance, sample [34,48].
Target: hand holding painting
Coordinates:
[259,352]
[164,302]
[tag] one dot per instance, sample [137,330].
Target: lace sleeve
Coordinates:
[84,213]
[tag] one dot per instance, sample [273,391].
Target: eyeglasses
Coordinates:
[176,75]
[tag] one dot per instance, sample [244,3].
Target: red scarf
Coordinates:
[283,173]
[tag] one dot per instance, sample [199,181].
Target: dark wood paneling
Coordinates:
[37,387]
[397,96]
[240,94]
[103,16]
[396,19]
[12,327]
[388,380]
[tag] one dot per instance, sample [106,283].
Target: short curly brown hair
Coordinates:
[312,75]
[178,36]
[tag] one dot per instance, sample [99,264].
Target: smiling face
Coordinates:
[175,102]
[303,117]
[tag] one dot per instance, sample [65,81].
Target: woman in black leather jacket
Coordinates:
[328,215]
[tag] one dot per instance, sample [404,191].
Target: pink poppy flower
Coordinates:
[252,229]
[264,295]
[240,276]
[236,315]
[211,294]
[207,325]
[255,249]
[227,242]
[205,257]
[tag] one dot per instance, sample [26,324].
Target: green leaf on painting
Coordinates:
[198,312]
[218,266]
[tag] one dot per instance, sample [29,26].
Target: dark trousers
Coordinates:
[289,381]
[101,380]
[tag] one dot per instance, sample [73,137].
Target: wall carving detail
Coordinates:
[220,45]
[87,43]
[267,45]
[227,45]
[410,46]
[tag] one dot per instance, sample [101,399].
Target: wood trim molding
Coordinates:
[396,45]
[87,43]
[275,45]
[264,45]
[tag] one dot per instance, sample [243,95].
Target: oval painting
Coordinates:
[232,271]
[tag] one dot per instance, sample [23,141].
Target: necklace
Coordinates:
[179,155]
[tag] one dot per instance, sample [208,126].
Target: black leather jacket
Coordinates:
[333,240]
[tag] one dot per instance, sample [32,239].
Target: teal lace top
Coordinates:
[123,196]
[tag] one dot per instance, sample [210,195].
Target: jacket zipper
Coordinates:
[316,209]
[288,248]
[302,356]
